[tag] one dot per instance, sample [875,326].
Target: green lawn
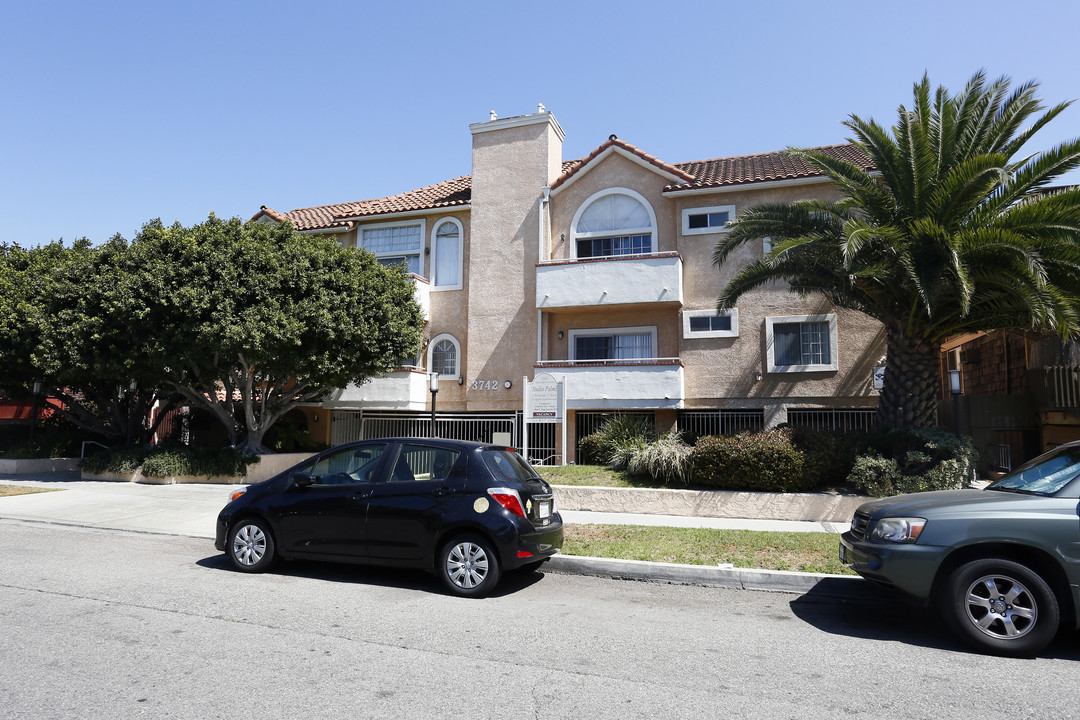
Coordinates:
[600,475]
[801,552]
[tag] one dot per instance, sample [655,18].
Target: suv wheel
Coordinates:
[1001,606]
[468,566]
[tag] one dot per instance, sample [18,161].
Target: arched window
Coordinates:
[618,221]
[446,245]
[444,356]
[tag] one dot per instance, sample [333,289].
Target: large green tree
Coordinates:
[953,232]
[254,319]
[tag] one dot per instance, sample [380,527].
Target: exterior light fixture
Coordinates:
[434,384]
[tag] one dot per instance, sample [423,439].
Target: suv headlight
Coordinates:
[899,530]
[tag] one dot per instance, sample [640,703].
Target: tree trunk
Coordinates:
[909,398]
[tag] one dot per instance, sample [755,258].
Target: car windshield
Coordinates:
[1043,476]
[508,465]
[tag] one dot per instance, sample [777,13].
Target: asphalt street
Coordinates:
[111,624]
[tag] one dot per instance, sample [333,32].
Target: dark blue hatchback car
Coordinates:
[465,511]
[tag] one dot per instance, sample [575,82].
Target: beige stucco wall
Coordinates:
[511,166]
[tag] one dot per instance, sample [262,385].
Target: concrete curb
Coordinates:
[838,586]
[815,507]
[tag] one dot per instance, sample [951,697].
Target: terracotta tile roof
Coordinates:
[613,141]
[765,167]
[719,172]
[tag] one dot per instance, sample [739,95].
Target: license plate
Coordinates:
[543,509]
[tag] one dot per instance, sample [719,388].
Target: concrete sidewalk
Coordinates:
[191,510]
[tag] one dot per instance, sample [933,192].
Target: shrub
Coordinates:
[827,456]
[667,459]
[763,461]
[616,438]
[904,461]
[164,461]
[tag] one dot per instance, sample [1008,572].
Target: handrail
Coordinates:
[82,452]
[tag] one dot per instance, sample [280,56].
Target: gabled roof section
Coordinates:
[766,167]
[625,149]
[446,194]
[307,219]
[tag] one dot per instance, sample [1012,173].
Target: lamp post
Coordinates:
[434,391]
[955,388]
[33,410]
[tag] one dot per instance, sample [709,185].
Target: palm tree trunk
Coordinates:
[909,398]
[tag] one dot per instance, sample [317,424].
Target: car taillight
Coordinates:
[236,494]
[509,499]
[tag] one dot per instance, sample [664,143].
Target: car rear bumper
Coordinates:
[535,544]
[906,568]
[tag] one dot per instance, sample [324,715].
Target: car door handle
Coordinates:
[360,495]
[442,492]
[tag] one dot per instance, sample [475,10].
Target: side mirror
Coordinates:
[302,479]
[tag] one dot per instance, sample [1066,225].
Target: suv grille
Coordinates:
[858,525]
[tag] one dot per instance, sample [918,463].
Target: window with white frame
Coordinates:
[446,251]
[710,323]
[702,220]
[613,222]
[801,343]
[637,343]
[444,356]
[395,243]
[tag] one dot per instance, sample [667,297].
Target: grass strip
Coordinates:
[6,490]
[763,550]
[594,475]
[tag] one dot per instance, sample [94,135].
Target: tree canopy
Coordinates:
[954,232]
[245,321]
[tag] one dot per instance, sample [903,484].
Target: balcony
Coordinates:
[619,280]
[1056,388]
[403,389]
[619,384]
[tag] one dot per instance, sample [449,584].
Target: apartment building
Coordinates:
[598,272]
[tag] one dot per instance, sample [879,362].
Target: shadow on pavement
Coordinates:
[60,476]
[409,579]
[879,615]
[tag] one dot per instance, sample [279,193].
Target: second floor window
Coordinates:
[615,344]
[395,244]
[614,222]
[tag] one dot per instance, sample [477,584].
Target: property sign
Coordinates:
[879,377]
[543,396]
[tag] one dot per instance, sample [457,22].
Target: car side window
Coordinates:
[348,465]
[423,463]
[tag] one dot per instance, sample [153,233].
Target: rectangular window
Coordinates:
[617,344]
[801,343]
[395,244]
[710,324]
[699,221]
[613,246]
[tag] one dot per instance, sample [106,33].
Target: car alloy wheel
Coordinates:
[250,546]
[469,567]
[1001,606]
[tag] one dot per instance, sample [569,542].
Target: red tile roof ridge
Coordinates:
[614,141]
[771,152]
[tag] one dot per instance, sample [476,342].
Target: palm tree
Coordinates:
[954,232]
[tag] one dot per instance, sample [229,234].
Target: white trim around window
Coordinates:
[458,358]
[714,332]
[813,342]
[420,222]
[612,332]
[437,283]
[710,219]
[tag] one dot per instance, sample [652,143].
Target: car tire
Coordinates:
[1001,607]
[250,545]
[468,566]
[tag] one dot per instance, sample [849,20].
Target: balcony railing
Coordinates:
[401,389]
[1057,387]
[619,280]
[619,384]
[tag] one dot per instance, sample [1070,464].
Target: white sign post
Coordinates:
[545,402]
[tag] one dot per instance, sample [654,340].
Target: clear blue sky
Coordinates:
[114,113]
